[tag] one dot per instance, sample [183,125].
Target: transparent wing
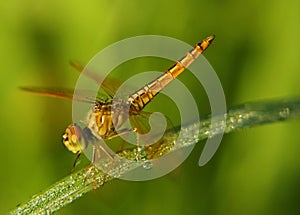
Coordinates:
[162,136]
[64,93]
[109,85]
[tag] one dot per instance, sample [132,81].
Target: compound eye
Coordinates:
[72,138]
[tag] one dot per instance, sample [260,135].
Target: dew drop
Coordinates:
[147,165]
[285,113]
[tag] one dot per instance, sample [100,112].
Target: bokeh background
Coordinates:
[255,54]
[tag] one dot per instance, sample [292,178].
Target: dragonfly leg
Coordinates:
[95,157]
[122,132]
[138,148]
[128,131]
[75,162]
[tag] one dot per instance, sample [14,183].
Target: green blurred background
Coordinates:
[255,54]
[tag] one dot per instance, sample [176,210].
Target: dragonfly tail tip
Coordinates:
[211,38]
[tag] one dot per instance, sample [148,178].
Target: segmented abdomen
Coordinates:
[144,95]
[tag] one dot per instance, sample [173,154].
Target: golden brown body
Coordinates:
[107,117]
[104,119]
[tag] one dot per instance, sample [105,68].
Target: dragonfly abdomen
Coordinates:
[139,99]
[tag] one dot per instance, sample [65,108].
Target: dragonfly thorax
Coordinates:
[105,118]
[102,121]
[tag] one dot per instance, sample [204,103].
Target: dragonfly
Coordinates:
[106,117]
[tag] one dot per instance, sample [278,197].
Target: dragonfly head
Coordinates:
[73,138]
